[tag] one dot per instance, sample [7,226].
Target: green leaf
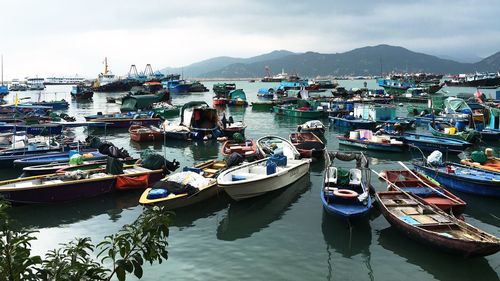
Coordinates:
[138,270]
[120,273]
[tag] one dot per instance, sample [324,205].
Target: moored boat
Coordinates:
[463,178]
[308,144]
[140,133]
[345,192]
[492,164]
[237,98]
[426,189]
[62,157]
[81,92]
[52,168]
[447,130]
[366,140]
[119,120]
[247,149]
[352,123]
[257,178]
[203,186]
[431,143]
[312,126]
[269,144]
[431,226]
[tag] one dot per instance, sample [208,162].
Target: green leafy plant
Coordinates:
[119,254]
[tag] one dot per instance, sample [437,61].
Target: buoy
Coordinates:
[345,193]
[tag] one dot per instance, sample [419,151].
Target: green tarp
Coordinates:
[133,103]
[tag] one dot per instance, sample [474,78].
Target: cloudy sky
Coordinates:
[65,37]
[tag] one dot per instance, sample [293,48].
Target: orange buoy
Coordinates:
[345,193]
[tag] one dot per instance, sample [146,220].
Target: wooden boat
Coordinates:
[247,149]
[489,134]
[140,133]
[119,120]
[366,140]
[447,130]
[429,225]
[254,179]
[463,178]
[352,123]
[54,188]
[63,157]
[81,92]
[431,143]
[171,131]
[492,164]
[268,144]
[221,93]
[60,167]
[307,144]
[165,110]
[345,193]
[426,189]
[200,119]
[312,126]
[208,170]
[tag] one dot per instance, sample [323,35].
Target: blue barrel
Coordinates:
[270,167]
[460,125]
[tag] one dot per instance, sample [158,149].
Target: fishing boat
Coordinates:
[201,120]
[430,226]
[57,158]
[303,109]
[53,168]
[8,156]
[269,144]
[221,93]
[120,120]
[266,93]
[349,122]
[431,143]
[229,128]
[55,105]
[463,178]
[237,98]
[201,177]
[165,110]
[312,126]
[247,149]
[176,86]
[345,192]
[81,92]
[54,188]
[260,177]
[308,144]
[171,131]
[263,105]
[427,189]
[367,140]
[395,86]
[140,133]
[447,130]
[489,163]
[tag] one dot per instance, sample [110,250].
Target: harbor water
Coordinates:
[283,235]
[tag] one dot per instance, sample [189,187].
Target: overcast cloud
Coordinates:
[56,37]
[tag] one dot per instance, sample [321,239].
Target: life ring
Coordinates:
[345,193]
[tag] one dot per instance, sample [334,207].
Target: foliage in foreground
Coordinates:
[145,240]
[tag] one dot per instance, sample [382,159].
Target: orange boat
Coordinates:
[140,133]
[247,149]
[428,190]
[492,164]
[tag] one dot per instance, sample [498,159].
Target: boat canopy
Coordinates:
[135,102]
[187,111]
[237,94]
[455,105]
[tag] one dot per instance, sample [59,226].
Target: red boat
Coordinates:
[421,186]
[140,133]
[308,144]
[429,225]
[247,149]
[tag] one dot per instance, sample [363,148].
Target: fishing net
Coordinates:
[152,160]
[479,157]
[342,177]
[238,137]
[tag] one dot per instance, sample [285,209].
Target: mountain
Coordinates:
[461,58]
[372,60]
[214,64]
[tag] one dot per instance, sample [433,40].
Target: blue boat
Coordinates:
[390,146]
[238,98]
[266,93]
[397,86]
[464,178]
[4,90]
[176,86]
[431,143]
[345,193]
[55,105]
[56,158]
[490,134]
[352,123]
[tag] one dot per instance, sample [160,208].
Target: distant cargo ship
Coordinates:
[64,80]
[476,80]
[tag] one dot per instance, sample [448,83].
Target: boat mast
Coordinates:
[2,68]
[105,65]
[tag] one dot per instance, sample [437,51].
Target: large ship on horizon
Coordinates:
[62,80]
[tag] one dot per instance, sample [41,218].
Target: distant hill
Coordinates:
[362,61]
[214,64]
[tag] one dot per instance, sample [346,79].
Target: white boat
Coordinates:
[106,77]
[35,84]
[252,179]
[64,80]
[268,144]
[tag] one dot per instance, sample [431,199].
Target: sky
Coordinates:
[72,37]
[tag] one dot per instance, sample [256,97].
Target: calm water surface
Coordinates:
[284,235]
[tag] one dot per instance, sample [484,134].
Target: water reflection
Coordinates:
[185,217]
[441,265]
[253,215]
[111,204]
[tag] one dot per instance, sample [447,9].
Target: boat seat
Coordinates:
[332,173]
[210,171]
[354,176]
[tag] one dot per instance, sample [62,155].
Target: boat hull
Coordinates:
[240,190]
[352,124]
[371,145]
[467,185]
[431,143]
[307,114]
[185,200]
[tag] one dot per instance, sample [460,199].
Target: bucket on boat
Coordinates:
[354,135]
[447,131]
[270,167]
[452,130]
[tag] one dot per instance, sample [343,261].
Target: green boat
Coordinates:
[468,135]
[165,111]
[302,109]
[263,105]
